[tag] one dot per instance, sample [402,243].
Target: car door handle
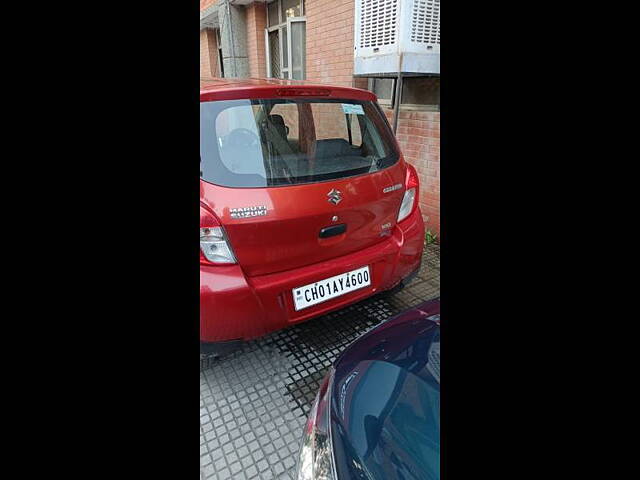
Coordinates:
[333,230]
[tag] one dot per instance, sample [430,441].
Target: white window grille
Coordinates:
[378,22]
[425,22]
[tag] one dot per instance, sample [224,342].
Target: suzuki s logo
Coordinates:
[335,196]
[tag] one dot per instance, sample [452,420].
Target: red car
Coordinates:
[306,206]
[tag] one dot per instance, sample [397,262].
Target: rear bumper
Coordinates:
[234,307]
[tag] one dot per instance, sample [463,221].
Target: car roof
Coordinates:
[411,319]
[240,88]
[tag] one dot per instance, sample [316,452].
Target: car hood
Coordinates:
[385,408]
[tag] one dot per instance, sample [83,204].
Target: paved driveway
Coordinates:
[254,404]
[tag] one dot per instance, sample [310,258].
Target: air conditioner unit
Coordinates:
[394,36]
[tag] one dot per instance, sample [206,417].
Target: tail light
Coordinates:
[316,452]
[214,245]
[410,199]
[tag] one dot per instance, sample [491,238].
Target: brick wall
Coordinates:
[256,23]
[419,138]
[330,41]
[208,54]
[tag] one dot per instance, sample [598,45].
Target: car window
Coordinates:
[261,143]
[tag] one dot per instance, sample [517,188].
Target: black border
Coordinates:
[104,340]
[109,322]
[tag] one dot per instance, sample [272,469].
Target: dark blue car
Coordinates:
[377,413]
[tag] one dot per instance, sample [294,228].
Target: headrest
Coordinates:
[277,120]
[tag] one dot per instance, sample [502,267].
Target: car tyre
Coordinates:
[392,291]
[211,352]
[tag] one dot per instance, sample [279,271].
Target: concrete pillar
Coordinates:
[233,36]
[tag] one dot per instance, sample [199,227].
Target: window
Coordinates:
[267,143]
[417,92]
[286,39]
[421,91]
[383,88]
[220,58]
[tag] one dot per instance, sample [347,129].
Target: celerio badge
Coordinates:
[392,188]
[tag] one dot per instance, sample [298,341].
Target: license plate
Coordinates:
[331,287]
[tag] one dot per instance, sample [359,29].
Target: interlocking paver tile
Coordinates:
[254,403]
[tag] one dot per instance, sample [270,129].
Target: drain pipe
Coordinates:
[398,95]
[398,101]
[233,48]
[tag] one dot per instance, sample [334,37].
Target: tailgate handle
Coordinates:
[333,230]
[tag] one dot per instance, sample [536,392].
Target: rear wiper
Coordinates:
[379,162]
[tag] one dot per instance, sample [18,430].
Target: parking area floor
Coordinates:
[254,404]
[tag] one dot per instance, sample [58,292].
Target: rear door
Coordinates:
[333,182]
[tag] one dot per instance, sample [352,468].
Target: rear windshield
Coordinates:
[264,143]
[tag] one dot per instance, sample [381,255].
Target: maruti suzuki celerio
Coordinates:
[306,206]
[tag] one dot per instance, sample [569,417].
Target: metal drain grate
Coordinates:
[254,404]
